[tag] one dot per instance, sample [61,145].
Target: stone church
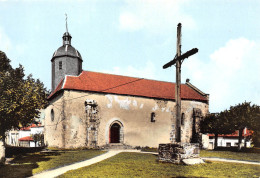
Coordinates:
[93,109]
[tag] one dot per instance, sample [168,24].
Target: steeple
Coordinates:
[66,60]
[66,36]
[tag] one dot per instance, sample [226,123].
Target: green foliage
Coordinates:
[145,165]
[20,98]
[245,115]
[256,138]
[216,123]
[236,118]
[38,137]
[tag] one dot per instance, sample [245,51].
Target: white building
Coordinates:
[23,137]
[230,140]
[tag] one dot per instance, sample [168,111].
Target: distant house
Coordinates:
[26,141]
[231,140]
[23,137]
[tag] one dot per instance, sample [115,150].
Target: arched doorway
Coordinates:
[114,133]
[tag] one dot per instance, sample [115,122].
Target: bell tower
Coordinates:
[66,60]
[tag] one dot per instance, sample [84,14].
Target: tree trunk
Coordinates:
[2,151]
[240,139]
[245,131]
[216,141]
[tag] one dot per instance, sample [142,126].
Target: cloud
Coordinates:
[156,16]
[231,76]
[5,42]
[129,21]
[147,71]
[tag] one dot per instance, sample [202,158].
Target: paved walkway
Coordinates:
[231,160]
[220,159]
[62,170]
[110,153]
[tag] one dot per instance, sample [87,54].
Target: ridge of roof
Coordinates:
[126,85]
[58,88]
[195,88]
[119,76]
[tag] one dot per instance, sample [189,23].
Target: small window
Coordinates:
[52,115]
[60,65]
[152,117]
[182,118]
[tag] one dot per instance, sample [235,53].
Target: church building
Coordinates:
[93,109]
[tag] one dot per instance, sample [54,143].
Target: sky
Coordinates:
[137,37]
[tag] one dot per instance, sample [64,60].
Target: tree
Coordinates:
[216,123]
[20,99]
[244,116]
[38,137]
[237,117]
[256,138]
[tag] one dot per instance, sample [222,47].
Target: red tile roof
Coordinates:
[28,138]
[123,85]
[31,126]
[235,134]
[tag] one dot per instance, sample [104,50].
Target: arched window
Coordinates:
[182,118]
[52,115]
[152,117]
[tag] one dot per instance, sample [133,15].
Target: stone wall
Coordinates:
[69,128]
[54,134]
[175,153]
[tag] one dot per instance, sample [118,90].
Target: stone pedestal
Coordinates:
[176,152]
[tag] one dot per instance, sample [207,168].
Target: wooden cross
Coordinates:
[177,61]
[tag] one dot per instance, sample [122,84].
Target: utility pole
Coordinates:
[177,61]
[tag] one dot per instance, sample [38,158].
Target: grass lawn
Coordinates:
[145,165]
[31,163]
[252,154]
[248,156]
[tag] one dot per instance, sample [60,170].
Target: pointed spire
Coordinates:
[66,37]
[66,22]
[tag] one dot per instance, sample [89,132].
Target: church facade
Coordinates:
[92,109]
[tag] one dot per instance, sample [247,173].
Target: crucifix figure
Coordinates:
[177,61]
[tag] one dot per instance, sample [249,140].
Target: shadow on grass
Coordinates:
[23,164]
